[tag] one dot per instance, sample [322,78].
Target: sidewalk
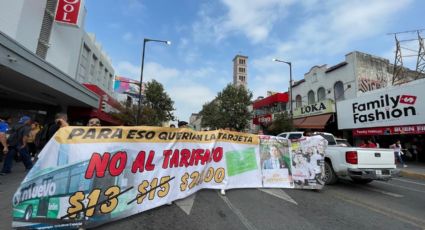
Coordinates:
[413,170]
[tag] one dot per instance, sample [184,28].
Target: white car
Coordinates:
[292,135]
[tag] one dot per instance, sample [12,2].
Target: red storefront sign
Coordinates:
[264,119]
[406,129]
[67,11]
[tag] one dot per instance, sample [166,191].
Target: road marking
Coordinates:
[279,193]
[398,186]
[384,211]
[384,192]
[408,181]
[238,213]
[186,204]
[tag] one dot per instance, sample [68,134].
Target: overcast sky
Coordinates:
[206,35]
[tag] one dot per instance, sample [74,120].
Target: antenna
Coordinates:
[400,73]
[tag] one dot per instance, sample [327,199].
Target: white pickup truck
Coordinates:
[361,165]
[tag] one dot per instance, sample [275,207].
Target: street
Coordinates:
[397,204]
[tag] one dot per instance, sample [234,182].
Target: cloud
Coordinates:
[254,19]
[128,37]
[330,29]
[127,69]
[185,87]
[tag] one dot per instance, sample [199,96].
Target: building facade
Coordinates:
[315,95]
[266,109]
[51,34]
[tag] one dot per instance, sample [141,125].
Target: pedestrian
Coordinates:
[94,121]
[49,130]
[397,151]
[35,128]
[183,124]
[4,128]
[370,144]
[18,144]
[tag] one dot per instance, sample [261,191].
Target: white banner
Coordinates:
[401,105]
[89,176]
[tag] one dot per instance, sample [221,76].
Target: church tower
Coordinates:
[240,70]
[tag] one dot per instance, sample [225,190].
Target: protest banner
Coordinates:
[87,176]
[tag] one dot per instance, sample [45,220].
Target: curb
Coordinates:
[410,174]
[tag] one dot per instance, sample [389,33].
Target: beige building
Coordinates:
[240,70]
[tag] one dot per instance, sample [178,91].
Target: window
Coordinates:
[339,91]
[321,94]
[99,74]
[298,101]
[311,99]
[241,78]
[242,70]
[84,62]
[242,61]
[93,66]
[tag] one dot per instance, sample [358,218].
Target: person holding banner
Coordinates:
[276,160]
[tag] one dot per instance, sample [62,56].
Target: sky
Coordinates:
[206,35]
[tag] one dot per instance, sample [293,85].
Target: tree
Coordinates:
[157,107]
[282,123]
[229,109]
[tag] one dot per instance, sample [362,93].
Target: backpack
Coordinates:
[13,139]
[42,137]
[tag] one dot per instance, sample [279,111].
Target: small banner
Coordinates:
[86,177]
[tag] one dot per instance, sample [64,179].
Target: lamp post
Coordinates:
[141,72]
[290,85]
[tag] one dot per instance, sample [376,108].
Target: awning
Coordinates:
[298,121]
[314,122]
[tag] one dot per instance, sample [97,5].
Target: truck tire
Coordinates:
[330,176]
[361,181]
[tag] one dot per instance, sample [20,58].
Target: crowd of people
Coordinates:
[24,139]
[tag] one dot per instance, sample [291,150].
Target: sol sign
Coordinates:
[68,11]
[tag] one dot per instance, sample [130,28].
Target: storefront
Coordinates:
[319,116]
[388,115]
[266,109]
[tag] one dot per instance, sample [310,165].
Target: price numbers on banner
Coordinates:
[196,178]
[77,203]
[149,189]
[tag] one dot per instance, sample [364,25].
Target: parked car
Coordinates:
[291,135]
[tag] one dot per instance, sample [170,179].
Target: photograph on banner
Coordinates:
[275,161]
[308,162]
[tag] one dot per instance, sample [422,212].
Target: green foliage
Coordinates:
[282,123]
[156,108]
[228,110]
[157,105]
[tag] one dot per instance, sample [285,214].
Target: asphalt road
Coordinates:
[397,204]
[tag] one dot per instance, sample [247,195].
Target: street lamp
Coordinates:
[290,84]
[141,74]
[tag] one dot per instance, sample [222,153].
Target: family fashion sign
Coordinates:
[88,176]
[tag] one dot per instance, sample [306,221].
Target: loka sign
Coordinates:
[322,107]
[68,11]
[401,105]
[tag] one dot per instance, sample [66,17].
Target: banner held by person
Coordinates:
[88,176]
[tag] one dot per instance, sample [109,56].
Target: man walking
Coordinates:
[18,144]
